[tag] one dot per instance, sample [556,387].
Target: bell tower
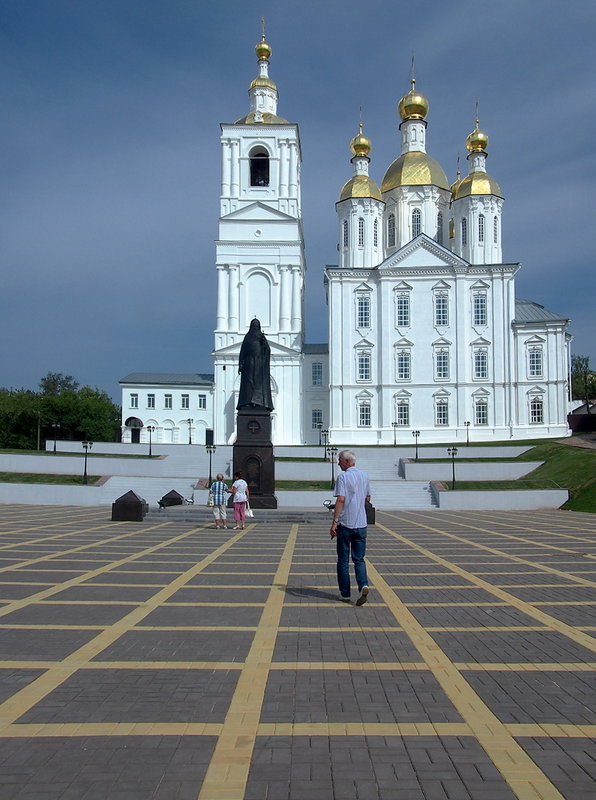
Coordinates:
[260,255]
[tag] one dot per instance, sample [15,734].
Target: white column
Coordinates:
[233,299]
[293,171]
[285,279]
[283,169]
[296,300]
[225,168]
[235,169]
[222,296]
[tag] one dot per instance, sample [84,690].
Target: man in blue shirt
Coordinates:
[352,489]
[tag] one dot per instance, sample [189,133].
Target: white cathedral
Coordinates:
[426,335]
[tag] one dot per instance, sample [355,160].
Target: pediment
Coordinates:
[441,285]
[403,342]
[479,341]
[480,393]
[363,287]
[441,342]
[535,340]
[364,395]
[423,252]
[234,349]
[479,284]
[257,212]
[442,393]
[536,390]
[403,393]
[402,286]
[364,343]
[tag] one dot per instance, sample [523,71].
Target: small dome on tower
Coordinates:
[360,145]
[476,183]
[413,105]
[360,186]
[263,50]
[477,141]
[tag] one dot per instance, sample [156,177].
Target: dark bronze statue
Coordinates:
[255,383]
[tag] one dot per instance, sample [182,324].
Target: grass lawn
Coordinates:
[304,486]
[572,468]
[35,477]
[70,453]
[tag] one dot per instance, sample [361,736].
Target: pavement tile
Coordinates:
[514,646]
[569,763]
[139,645]
[42,644]
[355,646]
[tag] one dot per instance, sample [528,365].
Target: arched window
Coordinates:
[536,410]
[363,311]
[464,231]
[391,230]
[403,412]
[376,233]
[416,223]
[360,232]
[481,411]
[496,230]
[440,228]
[259,167]
[481,228]
[345,232]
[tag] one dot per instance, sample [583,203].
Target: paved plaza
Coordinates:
[171,661]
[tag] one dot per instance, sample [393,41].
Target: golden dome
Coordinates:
[477,141]
[413,105]
[476,183]
[414,169]
[360,186]
[360,145]
[263,81]
[263,118]
[263,50]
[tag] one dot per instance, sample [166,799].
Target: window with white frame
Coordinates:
[150,401]
[536,411]
[317,373]
[360,232]
[364,414]
[442,412]
[496,230]
[440,227]
[481,411]
[376,233]
[416,223]
[479,312]
[481,228]
[441,308]
[345,232]
[441,364]
[134,401]
[363,365]
[185,401]
[535,362]
[404,365]
[402,310]
[391,230]
[402,413]
[363,311]
[317,418]
[464,231]
[480,363]
[167,401]
[202,402]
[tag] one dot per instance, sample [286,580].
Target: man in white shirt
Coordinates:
[352,489]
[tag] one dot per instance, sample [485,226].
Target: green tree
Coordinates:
[56,383]
[583,380]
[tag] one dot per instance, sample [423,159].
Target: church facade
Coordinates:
[426,335]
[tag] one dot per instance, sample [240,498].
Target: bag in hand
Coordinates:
[249,511]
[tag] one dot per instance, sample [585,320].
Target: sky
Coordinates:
[110,158]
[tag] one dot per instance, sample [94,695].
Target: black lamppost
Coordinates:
[452,452]
[394,433]
[55,426]
[86,447]
[416,434]
[467,424]
[210,448]
[319,426]
[332,453]
[325,435]
[151,429]
[190,422]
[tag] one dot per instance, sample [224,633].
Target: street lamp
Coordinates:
[452,452]
[210,448]
[190,422]
[394,433]
[325,435]
[86,447]
[151,429]
[319,426]
[332,453]
[55,426]
[416,434]
[467,424]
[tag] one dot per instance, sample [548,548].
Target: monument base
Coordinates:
[253,455]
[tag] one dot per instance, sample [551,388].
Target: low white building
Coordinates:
[425,332]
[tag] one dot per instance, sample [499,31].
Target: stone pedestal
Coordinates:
[253,456]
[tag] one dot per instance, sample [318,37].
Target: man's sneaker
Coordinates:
[363,596]
[344,599]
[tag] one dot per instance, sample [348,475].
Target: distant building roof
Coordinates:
[315,348]
[528,311]
[169,378]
